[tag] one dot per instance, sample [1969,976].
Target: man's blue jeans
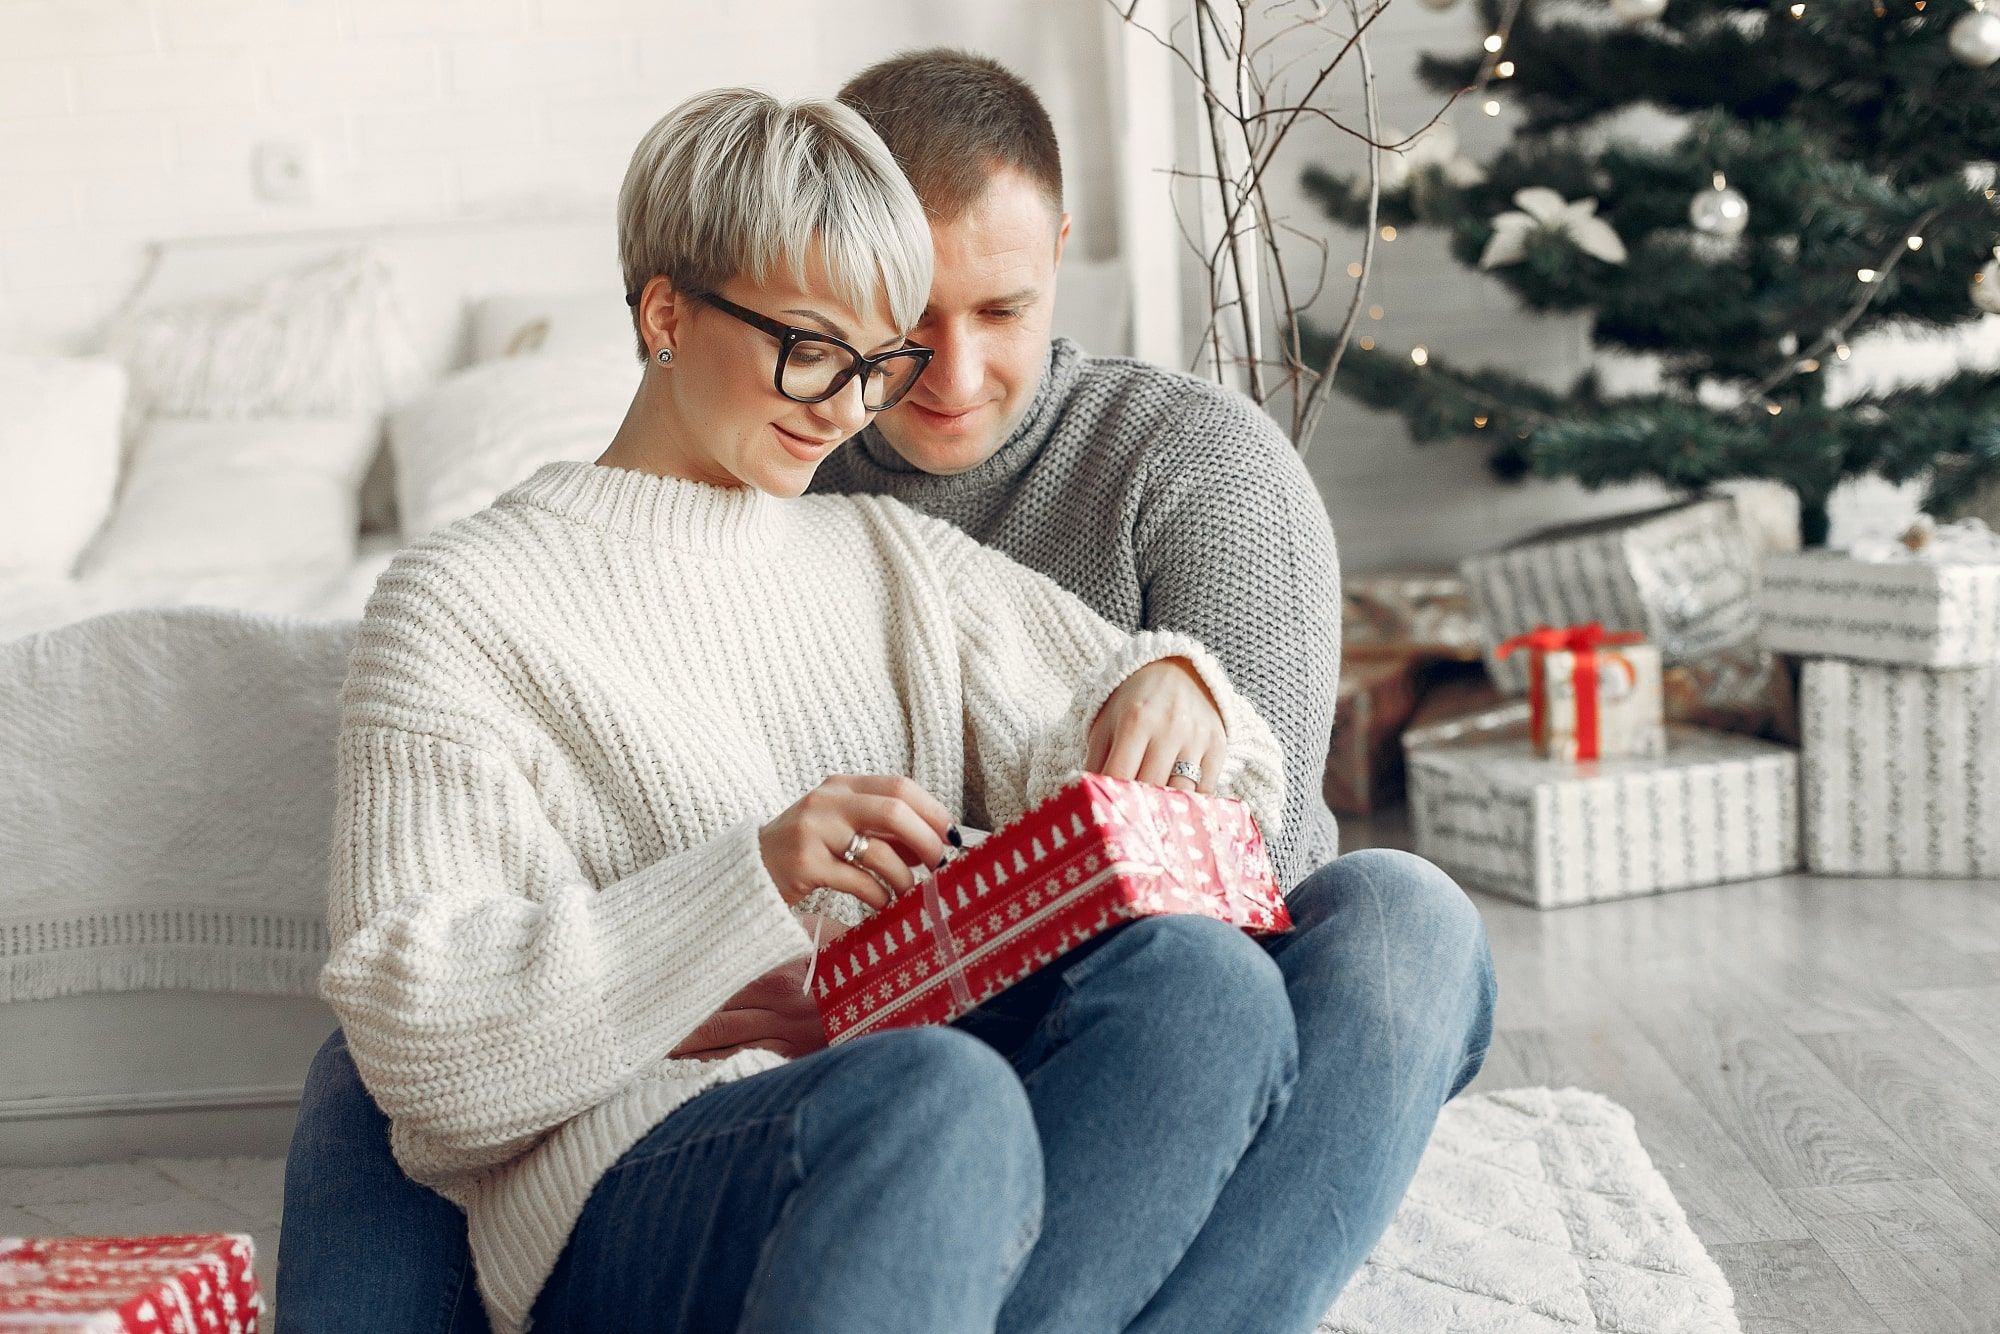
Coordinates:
[1176,1127]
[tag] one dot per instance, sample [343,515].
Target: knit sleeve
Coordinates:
[489,991]
[1038,665]
[1234,547]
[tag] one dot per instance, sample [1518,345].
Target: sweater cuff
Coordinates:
[1253,771]
[703,923]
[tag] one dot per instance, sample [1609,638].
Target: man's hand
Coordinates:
[1159,714]
[771,1013]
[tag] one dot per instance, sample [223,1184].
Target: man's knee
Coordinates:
[333,1089]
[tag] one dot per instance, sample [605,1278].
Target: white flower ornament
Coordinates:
[1541,208]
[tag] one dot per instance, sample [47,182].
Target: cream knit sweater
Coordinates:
[564,721]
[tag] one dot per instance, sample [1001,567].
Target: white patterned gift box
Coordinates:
[1902,769]
[1716,807]
[1683,575]
[1934,606]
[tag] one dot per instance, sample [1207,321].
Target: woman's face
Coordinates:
[734,427]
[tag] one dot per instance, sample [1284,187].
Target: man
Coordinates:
[1165,502]
[1169,503]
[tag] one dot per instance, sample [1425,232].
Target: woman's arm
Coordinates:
[490,991]
[1039,664]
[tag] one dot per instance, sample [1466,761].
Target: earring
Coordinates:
[666,356]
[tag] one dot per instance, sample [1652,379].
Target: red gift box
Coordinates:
[194,1283]
[1099,852]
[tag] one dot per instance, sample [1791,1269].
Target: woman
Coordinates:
[608,745]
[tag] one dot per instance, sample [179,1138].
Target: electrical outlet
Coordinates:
[282,170]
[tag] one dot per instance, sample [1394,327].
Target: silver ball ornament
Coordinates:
[1638,11]
[1719,211]
[1975,38]
[1986,288]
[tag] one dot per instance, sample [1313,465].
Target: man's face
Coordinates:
[992,300]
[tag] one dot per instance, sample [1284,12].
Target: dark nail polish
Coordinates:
[952,834]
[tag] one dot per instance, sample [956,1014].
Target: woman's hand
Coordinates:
[900,826]
[772,1012]
[1159,714]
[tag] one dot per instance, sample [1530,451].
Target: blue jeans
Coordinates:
[1174,1127]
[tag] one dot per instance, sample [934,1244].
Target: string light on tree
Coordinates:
[1975,37]
[1638,11]
[1720,210]
[1986,285]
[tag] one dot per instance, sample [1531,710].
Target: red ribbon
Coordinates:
[1582,643]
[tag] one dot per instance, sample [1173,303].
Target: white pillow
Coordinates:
[515,324]
[59,424]
[275,496]
[327,339]
[490,426]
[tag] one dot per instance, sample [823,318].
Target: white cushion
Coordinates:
[489,426]
[59,423]
[330,338]
[273,496]
[514,324]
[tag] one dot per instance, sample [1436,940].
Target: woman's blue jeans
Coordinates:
[1176,1127]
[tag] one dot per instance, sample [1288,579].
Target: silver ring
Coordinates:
[855,847]
[1189,770]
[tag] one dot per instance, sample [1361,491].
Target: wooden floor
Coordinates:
[1814,1065]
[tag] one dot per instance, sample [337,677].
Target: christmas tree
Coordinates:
[1828,175]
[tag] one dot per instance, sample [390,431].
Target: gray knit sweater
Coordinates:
[1169,503]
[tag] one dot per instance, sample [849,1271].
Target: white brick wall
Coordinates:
[122,121]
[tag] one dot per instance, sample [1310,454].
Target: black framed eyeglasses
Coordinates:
[813,366]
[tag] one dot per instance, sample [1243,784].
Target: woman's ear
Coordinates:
[660,313]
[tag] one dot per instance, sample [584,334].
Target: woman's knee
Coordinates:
[1193,975]
[1417,901]
[935,1089]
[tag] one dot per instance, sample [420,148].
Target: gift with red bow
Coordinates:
[1593,694]
[1095,854]
[194,1283]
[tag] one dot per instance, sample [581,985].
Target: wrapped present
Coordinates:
[1715,807]
[1901,771]
[1592,694]
[1462,709]
[1419,617]
[197,1283]
[1746,688]
[1930,599]
[1098,852]
[1684,576]
[1364,767]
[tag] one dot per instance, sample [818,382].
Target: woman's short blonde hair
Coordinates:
[734,181]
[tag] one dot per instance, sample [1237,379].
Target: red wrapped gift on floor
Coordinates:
[194,1283]
[1099,852]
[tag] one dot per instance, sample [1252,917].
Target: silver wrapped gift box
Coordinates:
[1684,575]
[1902,769]
[1934,605]
[1715,807]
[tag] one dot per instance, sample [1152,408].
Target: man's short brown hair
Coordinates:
[952,119]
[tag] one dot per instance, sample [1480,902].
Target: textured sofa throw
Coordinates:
[166,801]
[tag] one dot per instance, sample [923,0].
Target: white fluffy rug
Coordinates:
[1536,1211]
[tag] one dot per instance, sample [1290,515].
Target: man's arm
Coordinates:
[1233,546]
